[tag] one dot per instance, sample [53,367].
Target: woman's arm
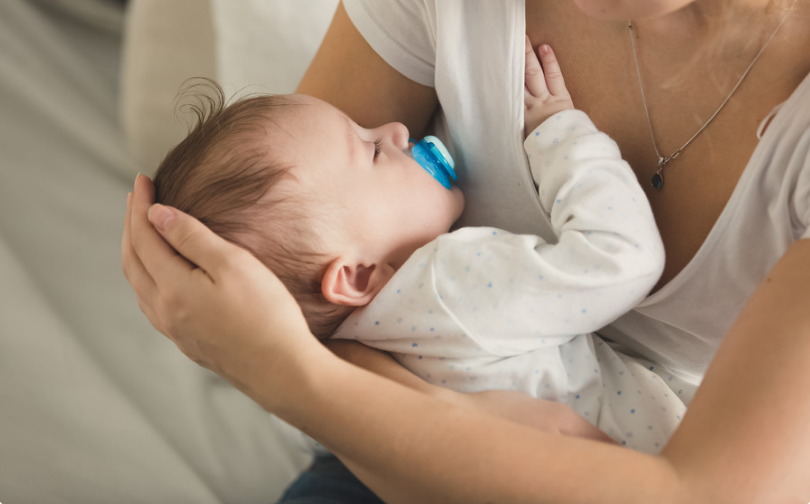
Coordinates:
[744,439]
[228,313]
[746,435]
[347,73]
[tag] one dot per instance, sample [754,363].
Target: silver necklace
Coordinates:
[658,179]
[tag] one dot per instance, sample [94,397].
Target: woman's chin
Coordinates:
[618,10]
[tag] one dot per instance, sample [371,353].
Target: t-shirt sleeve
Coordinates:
[402,32]
[801,194]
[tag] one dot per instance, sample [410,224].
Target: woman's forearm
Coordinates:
[747,432]
[410,447]
[382,364]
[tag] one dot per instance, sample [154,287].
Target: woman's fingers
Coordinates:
[535,80]
[551,69]
[576,426]
[193,241]
[159,259]
[134,272]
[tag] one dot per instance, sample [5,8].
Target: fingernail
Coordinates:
[545,48]
[136,178]
[129,197]
[160,216]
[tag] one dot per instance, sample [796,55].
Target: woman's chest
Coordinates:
[598,61]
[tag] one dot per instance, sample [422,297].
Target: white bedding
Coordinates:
[95,406]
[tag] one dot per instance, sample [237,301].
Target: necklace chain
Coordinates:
[658,178]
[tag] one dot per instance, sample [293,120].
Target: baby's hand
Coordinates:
[545,93]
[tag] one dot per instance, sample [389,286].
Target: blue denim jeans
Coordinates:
[327,481]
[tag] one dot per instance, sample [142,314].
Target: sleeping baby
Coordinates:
[356,221]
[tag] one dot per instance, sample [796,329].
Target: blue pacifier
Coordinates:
[432,155]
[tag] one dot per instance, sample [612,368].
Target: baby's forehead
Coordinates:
[312,130]
[311,109]
[309,135]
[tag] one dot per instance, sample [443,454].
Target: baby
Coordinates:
[358,232]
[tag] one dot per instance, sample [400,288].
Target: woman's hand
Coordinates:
[218,303]
[547,416]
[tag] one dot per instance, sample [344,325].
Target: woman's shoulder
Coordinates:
[400,32]
[797,107]
[791,148]
[785,133]
[408,33]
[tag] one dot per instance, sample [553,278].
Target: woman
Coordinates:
[733,293]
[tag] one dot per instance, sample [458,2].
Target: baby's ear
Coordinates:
[353,284]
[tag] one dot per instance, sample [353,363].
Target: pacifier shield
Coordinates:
[433,156]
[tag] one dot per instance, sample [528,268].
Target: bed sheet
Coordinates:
[95,406]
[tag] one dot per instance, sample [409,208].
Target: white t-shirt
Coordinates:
[473,54]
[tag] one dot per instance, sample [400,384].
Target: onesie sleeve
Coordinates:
[402,32]
[608,255]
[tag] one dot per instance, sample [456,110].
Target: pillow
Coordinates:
[246,46]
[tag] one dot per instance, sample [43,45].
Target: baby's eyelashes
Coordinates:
[377,147]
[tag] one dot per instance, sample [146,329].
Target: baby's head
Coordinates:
[332,208]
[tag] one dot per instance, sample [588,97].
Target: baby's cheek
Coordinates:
[458,199]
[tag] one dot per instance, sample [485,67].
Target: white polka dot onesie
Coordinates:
[481,308]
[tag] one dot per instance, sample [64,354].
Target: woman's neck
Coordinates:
[703,18]
[708,37]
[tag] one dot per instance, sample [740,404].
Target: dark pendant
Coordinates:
[658,181]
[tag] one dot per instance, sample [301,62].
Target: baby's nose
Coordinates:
[399,134]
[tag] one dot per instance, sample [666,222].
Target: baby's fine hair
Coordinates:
[225,174]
